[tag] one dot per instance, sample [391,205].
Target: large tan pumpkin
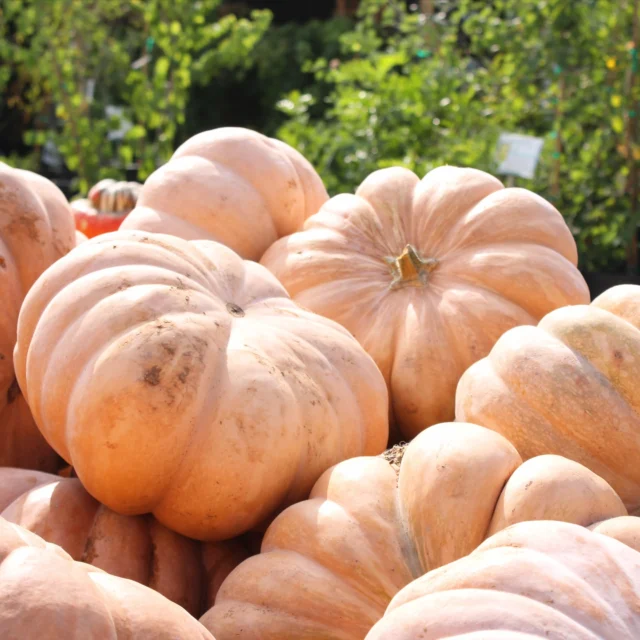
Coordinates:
[548,580]
[181,380]
[46,595]
[568,386]
[330,565]
[233,186]
[427,275]
[36,229]
[60,511]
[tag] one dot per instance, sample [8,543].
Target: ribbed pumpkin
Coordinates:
[231,185]
[626,529]
[36,229]
[60,511]
[330,565]
[568,386]
[534,580]
[428,274]
[180,380]
[45,594]
[107,206]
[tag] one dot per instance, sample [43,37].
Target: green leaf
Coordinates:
[137,132]
[617,123]
[126,154]
[162,67]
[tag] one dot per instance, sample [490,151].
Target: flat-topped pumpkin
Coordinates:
[231,185]
[428,274]
[568,386]
[36,229]
[45,594]
[180,380]
[139,548]
[330,565]
[546,580]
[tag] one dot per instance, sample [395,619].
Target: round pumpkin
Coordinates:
[568,386]
[625,528]
[108,204]
[45,594]
[534,580]
[231,185]
[114,196]
[428,274]
[330,565]
[180,380]
[36,229]
[60,511]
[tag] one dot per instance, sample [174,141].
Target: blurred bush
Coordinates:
[438,82]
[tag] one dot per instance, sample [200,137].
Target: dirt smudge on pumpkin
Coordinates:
[152,376]
[168,348]
[3,263]
[90,552]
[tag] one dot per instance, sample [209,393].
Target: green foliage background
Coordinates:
[418,86]
[421,91]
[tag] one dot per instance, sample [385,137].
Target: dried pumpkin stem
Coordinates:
[394,456]
[409,269]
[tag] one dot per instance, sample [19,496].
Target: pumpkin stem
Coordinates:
[409,269]
[394,456]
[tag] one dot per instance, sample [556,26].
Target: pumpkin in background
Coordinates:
[45,594]
[108,204]
[625,528]
[136,547]
[231,185]
[36,229]
[534,580]
[568,386]
[114,196]
[180,380]
[330,565]
[427,275]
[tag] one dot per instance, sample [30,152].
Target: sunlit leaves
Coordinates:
[59,45]
[551,68]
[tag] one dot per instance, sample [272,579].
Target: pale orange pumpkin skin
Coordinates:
[45,594]
[330,565]
[80,237]
[428,274]
[60,511]
[36,229]
[625,529]
[533,580]
[231,185]
[568,386]
[185,382]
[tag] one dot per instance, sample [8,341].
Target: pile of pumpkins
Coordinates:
[258,413]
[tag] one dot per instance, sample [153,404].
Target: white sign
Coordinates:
[518,155]
[90,89]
